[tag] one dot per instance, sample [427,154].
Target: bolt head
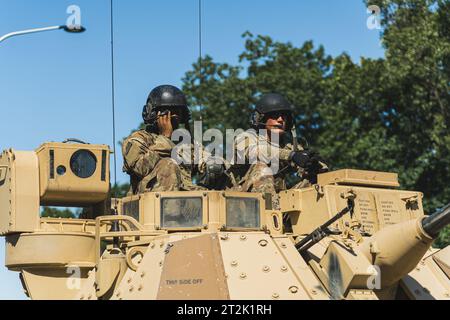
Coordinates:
[262,243]
[293,289]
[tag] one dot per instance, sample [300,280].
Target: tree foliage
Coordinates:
[390,114]
[118,191]
[50,212]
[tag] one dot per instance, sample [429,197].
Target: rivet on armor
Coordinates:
[129,280]
[242,275]
[131,289]
[224,236]
[275,295]
[266,268]
[160,263]
[140,287]
[314,291]
[161,244]
[234,263]
[243,237]
[82,297]
[157,195]
[262,243]
[152,245]
[293,289]
[283,245]
[205,194]
[142,274]
[90,297]
[284,268]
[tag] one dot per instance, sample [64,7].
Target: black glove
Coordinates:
[308,160]
[214,176]
[301,158]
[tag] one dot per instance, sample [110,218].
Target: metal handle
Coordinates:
[74,140]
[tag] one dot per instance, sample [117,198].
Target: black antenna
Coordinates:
[200,30]
[115,224]
[113,99]
[200,47]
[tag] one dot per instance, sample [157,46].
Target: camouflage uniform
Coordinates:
[257,174]
[147,159]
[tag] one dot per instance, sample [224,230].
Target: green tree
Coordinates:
[388,114]
[120,190]
[416,35]
[50,212]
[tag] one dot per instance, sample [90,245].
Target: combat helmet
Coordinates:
[162,97]
[271,102]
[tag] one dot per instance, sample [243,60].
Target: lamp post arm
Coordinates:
[18,33]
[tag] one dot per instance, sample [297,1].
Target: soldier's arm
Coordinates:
[247,149]
[140,158]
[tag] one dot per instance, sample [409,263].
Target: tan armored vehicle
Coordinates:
[354,235]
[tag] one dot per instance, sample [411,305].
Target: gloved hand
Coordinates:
[308,160]
[214,175]
[301,158]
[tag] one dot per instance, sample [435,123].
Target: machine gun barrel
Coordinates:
[322,231]
[434,223]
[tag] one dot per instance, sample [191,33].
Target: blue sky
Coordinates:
[56,85]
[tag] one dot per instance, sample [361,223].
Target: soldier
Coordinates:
[256,150]
[147,153]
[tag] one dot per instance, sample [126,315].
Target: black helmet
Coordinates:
[268,103]
[165,96]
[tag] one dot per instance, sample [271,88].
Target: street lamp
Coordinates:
[74,29]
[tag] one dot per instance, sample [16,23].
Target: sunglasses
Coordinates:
[277,114]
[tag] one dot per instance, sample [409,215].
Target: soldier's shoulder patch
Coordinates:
[128,147]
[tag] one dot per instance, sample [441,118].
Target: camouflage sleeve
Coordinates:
[246,148]
[264,151]
[140,158]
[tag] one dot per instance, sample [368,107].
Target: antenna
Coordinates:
[115,225]
[200,47]
[113,98]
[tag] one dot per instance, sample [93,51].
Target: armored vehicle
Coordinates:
[353,235]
